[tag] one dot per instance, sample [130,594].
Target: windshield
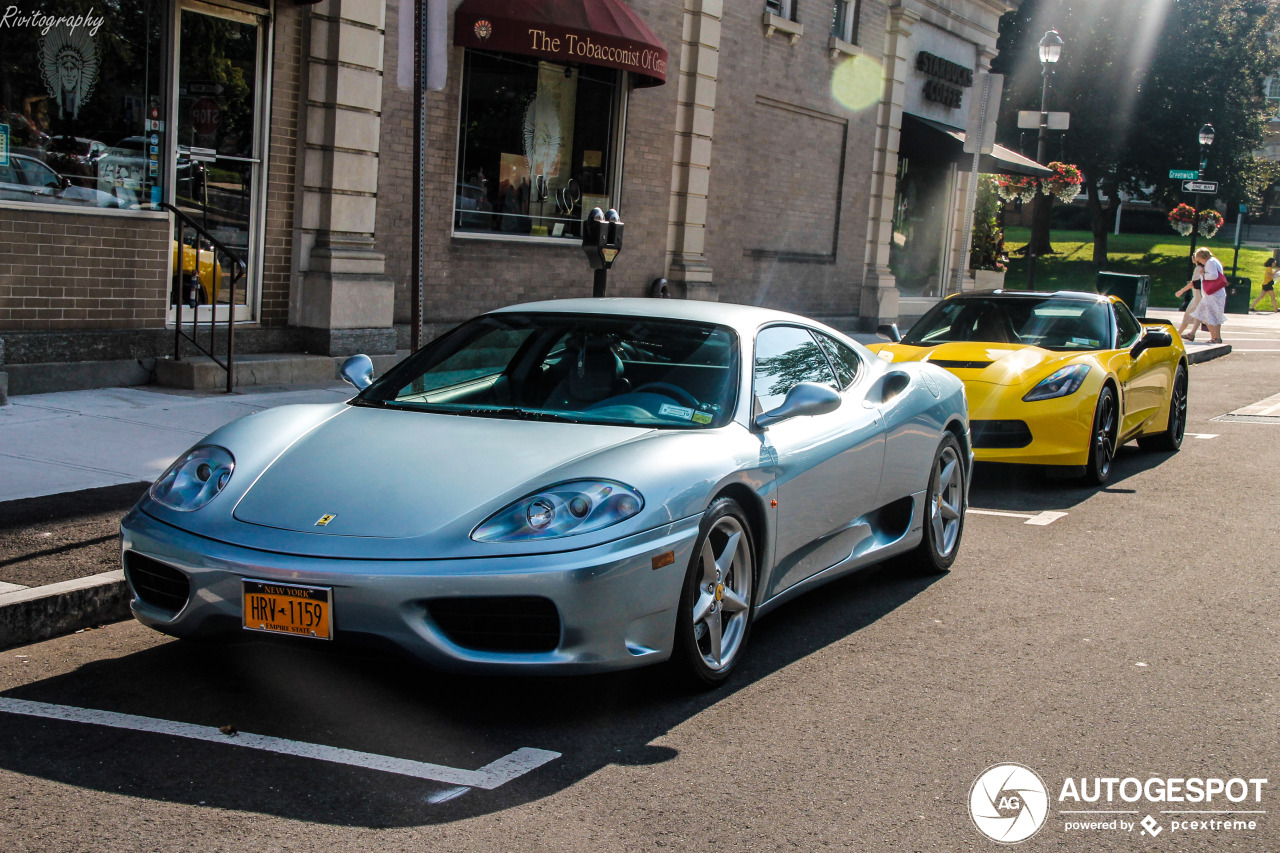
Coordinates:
[631,371]
[1049,322]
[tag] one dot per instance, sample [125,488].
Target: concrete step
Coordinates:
[201,373]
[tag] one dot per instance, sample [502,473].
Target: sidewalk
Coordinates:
[74,462]
[99,448]
[73,440]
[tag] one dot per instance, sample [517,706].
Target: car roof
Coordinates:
[745,318]
[1076,295]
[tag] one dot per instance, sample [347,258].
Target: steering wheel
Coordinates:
[666,389]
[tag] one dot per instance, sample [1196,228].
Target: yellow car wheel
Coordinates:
[1171,439]
[1102,440]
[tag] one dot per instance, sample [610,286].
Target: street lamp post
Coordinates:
[1050,53]
[1206,139]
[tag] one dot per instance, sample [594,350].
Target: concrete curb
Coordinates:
[1203,354]
[30,615]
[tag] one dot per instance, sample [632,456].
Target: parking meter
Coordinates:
[602,241]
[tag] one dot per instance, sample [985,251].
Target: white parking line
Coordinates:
[488,777]
[1202,435]
[1040,518]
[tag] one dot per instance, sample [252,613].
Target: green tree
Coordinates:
[1139,79]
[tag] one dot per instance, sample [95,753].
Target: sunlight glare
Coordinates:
[856,83]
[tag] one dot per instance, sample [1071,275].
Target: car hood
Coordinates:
[401,474]
[1010,365]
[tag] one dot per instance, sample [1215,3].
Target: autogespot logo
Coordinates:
[1008,803]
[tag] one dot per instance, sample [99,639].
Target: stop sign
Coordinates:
[206,115]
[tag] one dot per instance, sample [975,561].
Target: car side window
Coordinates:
[36,174]
[785,357]
[1127,326]
[843,359]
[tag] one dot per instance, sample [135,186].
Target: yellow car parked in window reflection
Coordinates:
[210,275]
[1056,379]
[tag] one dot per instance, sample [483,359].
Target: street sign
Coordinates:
[1030,120]
[1200,186]
[1183,174]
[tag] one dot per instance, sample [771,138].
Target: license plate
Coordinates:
[282,608]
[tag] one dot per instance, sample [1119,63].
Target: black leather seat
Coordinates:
[595,374]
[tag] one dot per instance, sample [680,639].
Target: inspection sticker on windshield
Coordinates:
[701,418]
[680,412]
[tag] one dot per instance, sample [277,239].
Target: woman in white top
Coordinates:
[1213,302]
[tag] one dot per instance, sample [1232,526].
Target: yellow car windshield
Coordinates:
[1049,322]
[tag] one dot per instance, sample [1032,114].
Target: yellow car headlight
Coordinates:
[1060,383]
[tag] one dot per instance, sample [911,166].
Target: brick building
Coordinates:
[802,154]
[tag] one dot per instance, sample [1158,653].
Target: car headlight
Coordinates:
[1060,383]
[195,478]
[567,509]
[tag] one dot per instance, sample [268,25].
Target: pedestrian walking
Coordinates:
[1268,286]
[1194,287]
[1213,301]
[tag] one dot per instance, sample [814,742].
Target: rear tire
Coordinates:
[717,602]
[1171,439]
[945,503]
[1102,438]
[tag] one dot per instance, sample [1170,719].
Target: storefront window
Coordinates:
[78,82]
[536,145]
[921,225]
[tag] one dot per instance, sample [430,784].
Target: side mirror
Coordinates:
[805,398]
[890,331]
[1152,339]
[358,370]
[64,182]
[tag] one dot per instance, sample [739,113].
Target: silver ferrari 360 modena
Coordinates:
[567,486]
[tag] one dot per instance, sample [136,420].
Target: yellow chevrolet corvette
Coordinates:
[1056,379]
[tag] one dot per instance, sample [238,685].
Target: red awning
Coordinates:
[591,32]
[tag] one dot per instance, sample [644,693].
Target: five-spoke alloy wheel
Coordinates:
[714,619]
[946,501]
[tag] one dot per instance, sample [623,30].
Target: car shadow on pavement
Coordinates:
[378,704]
[1027,488]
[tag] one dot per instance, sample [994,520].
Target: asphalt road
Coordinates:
[1134,636]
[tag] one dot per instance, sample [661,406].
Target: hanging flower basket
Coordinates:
[1210,222]
[1064,183]
[1183,218]
[1015,187]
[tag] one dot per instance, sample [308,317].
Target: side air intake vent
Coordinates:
[156,583]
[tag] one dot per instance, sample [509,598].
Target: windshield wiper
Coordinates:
[541,415]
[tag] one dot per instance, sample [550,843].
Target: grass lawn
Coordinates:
[1163,257]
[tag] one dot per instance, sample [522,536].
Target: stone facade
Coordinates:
[469,274]
[752,176]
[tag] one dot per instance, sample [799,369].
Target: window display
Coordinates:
[81,103]
[536,145]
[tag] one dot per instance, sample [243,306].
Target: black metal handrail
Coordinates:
[191,287]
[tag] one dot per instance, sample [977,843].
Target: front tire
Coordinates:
[946,502]
[1102,439]
[717,601]
[1171,439]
